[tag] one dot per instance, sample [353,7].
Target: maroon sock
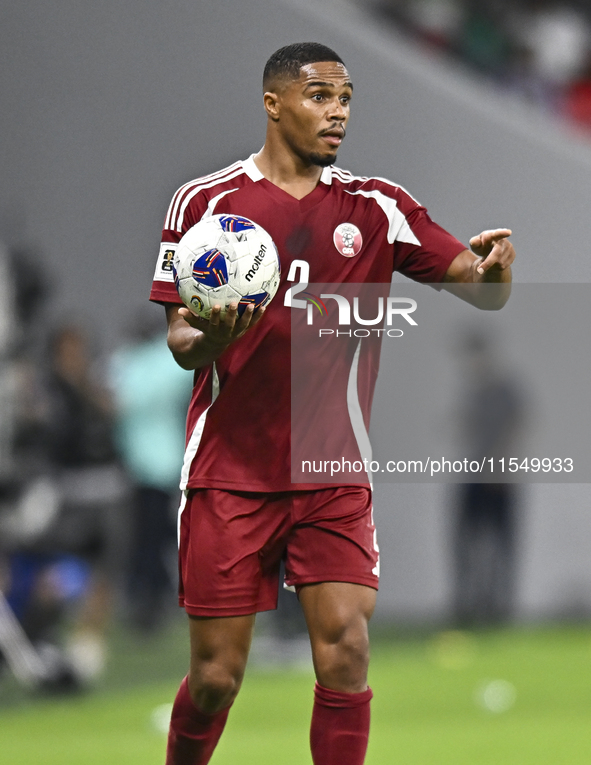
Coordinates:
[340,727]
[193,735]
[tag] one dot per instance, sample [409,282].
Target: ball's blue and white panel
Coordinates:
[211,269]
[235,223]
[256,300]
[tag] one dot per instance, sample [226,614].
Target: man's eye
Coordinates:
[317,97]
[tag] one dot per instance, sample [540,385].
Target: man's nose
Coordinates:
[338,110]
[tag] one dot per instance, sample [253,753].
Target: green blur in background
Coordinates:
[508,697]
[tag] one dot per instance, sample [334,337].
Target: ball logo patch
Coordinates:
[347,239]
[197,304]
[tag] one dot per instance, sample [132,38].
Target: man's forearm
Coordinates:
[488,290]
[191,349]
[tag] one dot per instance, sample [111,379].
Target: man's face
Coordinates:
[314,111]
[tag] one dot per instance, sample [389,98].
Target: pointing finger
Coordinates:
[494,235]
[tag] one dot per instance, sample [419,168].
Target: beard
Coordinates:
[322,160]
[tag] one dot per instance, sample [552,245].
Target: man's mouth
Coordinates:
[334,137]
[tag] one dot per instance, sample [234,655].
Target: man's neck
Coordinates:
[288,172]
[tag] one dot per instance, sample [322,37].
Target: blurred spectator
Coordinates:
[151,394]
[537,48]
[68,529]
[577,99]
[437,21]
[558,36]
[19,269]
[491,418]
[485,43]
[7,322]
[525,80]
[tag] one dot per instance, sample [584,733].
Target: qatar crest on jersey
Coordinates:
[347,239]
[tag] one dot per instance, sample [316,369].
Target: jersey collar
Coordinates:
[251,169]
[255,174]
[326,176]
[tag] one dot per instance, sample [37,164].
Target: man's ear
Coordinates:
[272,105]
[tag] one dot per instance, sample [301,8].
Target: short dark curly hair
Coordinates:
[287,61]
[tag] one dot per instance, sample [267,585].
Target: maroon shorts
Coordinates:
[231,545]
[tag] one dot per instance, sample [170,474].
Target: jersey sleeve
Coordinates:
[428,258]
[163,286]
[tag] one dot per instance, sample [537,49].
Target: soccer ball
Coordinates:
[226,259]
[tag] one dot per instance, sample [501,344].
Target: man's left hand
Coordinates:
[494,248]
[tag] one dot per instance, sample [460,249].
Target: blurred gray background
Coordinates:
[108,107]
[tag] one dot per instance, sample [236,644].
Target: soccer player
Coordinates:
[241,513]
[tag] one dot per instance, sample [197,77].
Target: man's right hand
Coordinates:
[223,331]
[196,342]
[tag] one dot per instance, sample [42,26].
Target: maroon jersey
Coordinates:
[239,420]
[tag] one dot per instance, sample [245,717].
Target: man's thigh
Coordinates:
[333,538]
[231,544]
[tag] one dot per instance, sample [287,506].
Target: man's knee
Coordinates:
[214,686]
[342,658]
[219,651]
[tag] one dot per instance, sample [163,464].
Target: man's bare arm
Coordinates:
[196,342]
[483,277]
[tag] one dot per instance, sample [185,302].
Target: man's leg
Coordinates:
[219,651]
[337,614]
